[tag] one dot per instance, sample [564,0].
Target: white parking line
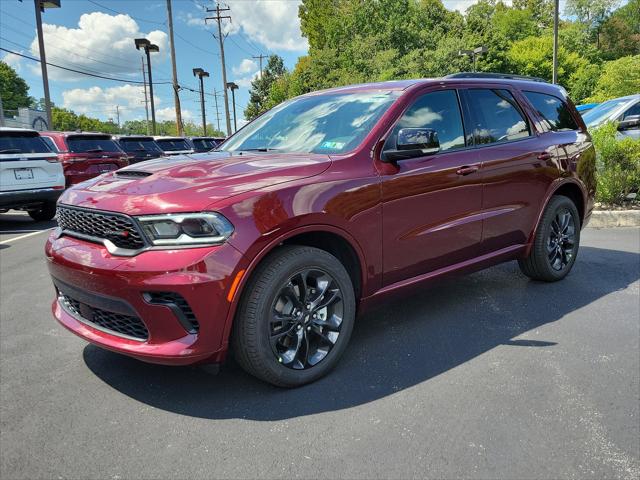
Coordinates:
[20,237]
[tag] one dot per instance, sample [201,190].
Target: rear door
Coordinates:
[515,165]
[27,163]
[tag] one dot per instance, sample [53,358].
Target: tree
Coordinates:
[619,78]
[620,33]
[261,87]
[592,13]
[13,89]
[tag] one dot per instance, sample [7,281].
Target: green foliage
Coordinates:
[617,163]
[619,78]
[14,91]
[620,33]
[261,87]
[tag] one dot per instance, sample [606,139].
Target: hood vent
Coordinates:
[132,173]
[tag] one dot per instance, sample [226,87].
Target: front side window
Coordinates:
[439,111]
[554,112]
[321,123]
[497,117]
[632,112]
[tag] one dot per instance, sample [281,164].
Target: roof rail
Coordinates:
[507,76]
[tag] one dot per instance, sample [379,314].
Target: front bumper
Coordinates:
[98,281]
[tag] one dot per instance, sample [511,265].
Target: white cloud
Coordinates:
[97,101]
[272,23]
[193,20]
[169,113]
[246,66]
[102,43]
[14,61]
[245,82]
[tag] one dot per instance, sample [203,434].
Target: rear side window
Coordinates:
[497,116]
[88,144]
[20,143]
[439,111]
[50,143]
[554,112]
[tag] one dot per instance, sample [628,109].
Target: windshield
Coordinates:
[20,143]
[329,123]
[600,113]
[133,145]
[173,145]
[89,144]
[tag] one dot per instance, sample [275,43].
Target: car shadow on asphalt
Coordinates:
[20,223]
[400,345]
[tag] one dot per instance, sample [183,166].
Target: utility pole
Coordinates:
[200,73]
[260,57]
[233,87]
[555,42]
[146,100]
[215,99]
[218,17]
[176,97]
[40,6]
[118,115]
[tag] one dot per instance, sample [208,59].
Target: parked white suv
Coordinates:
[31,178]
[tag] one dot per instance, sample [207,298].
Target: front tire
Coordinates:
[556,242]
[44,214]
[295,317]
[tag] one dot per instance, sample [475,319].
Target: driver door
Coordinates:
[431,203]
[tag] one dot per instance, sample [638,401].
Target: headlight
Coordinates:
[186,228]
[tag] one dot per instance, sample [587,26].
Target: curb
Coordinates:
[614,218]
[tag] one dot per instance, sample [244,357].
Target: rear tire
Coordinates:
[295,317]
[556,242]
[46,213]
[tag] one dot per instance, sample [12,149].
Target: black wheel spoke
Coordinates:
[561,240]
[306,319]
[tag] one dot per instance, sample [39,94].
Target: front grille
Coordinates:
[117,228]
[117,323]
[171,299]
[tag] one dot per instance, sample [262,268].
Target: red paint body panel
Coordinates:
[407,223]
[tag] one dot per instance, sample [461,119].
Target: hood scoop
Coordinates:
[132,173]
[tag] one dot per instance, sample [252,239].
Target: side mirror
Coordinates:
[412,143]
[630,123]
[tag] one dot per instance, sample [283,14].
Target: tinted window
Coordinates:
[175,145]
[320,123]
[17,143]
[87,144]
[50,143]
[635,110]
[439,111]
[203,144]
[497,116]
[133,145]
[555,113]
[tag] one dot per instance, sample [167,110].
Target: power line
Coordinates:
[74,70]
[131,16]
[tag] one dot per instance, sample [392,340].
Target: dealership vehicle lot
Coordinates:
[488,375]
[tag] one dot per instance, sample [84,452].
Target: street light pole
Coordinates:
[233,87]
[476,52]
[149,47]
[200,73]
[555,42]
[40,5]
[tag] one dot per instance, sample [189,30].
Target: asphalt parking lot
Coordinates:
[485,376]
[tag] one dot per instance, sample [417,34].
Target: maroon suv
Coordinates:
[85,155]
[321,207]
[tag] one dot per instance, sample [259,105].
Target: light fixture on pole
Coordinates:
[200,73]
[233,87]
[473,54]
[40,5]
[148,47]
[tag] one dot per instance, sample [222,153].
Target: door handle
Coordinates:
[544,156]
[467,169]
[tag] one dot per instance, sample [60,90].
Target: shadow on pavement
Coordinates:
[396,347]
[20,223]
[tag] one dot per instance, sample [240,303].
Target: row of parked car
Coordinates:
[35,167]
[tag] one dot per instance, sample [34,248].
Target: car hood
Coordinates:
[189,183]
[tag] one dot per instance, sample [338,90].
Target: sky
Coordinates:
[97,36]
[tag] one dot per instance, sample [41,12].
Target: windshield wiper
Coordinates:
[10,150]
[262,149]
[94,150]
